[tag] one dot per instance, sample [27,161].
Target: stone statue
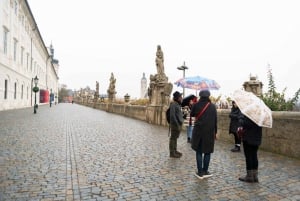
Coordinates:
[111,89]
[96,96]
[97,86]
[97,89]
[160,61]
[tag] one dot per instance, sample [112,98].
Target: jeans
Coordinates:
[202,162]
[189,131]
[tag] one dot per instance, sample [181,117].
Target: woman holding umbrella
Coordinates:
[254,115]
[251,135]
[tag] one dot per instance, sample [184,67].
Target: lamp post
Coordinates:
[183,68]
[35,89]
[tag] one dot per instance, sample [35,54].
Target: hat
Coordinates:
[177,94]
[204,93]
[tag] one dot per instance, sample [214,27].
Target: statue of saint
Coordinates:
[160,61]
[111,89]
[97,87]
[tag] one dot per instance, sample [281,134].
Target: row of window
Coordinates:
[19,55]
[15,47]
[34,67]
[15,90]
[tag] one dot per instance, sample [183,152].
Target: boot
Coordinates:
[236,149]
[173,154]
[179,153]
[255,175]
[248,178]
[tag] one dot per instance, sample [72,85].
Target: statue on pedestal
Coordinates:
[159,89]
[253,85]
[111,89]
[96,95]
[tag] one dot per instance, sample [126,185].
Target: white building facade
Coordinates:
[23,56]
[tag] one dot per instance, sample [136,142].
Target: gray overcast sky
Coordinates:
[222,40]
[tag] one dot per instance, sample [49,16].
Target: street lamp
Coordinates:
[183,68]
[35,89]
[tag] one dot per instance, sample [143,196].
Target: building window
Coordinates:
[22,91]
[22,19]
[15,49]
[5,37]
[15,93]
[31,64]
[5,89]
[22,55]
[27,60]
[16,7]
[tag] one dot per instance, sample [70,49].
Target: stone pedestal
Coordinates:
[127,98]
[159,94]
[254,86]
[109,107]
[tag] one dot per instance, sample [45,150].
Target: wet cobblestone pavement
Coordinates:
[72,152]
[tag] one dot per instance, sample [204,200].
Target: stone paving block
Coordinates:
[71,152]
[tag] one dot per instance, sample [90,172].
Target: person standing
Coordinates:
[234,124]
[189,121]
[204,132]
[176,121]
[251,135]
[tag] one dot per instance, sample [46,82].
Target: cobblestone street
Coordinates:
[72,152]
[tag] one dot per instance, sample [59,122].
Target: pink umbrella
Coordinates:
[197,83]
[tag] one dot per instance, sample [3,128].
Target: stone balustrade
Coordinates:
[283,138]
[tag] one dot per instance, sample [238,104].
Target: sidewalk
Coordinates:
[72,152]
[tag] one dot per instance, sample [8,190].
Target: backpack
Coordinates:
[168,115]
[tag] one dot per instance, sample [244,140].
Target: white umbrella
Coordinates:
[253,107]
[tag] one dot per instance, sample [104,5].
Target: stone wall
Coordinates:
[283,138]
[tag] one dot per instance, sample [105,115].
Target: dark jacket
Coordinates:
[176,116]
[234,119]
[253,132]
[205,127]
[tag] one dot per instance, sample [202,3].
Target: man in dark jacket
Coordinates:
[252,136]
[204,133]
[176,121]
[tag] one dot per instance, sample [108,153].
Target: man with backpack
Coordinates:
[176,121]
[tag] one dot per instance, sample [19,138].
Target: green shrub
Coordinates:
[276,101]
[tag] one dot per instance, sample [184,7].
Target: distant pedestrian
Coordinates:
[176,121]
[204,132]
[251,135]
[189,121]
[234,124]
